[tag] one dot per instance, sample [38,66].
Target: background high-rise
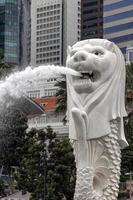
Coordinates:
[118,22]
[91,19]
[55,24]
[15,31]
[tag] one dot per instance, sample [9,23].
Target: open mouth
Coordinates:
[87,75]
[85,80]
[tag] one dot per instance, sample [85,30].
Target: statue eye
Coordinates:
[98,52]
[72,53]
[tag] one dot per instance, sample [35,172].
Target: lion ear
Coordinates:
[69,49]
[110,46]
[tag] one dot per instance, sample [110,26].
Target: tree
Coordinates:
[129,89]
[31,176]
[1,54]
[13,125]
[2,188]
[61,95]
[61,179]
[129,77]
[127,153]
[5,68]
[46,167]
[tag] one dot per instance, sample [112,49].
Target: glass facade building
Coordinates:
[9,30]
[2,27]
[91,19]
[118,22]
[12,30]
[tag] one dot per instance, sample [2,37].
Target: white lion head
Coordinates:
[101,88]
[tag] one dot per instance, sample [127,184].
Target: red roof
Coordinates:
[48,103]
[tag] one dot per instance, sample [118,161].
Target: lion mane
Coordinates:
[105,103]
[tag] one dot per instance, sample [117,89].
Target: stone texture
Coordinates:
[95,112]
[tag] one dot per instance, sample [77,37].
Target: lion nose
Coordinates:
[80,56]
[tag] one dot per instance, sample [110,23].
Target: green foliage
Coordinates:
[1,54]
[5,68]
[47,168]
[61,95]
[31,174]
[123,195]
[127,153]
[2,188]
[61,179]
[13,125]
[129,76]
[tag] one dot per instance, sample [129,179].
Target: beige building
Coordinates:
[55,24]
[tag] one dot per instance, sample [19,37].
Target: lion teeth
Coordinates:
[83,81]
[87,75]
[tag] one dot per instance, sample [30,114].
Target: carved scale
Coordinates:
[95,112]
[100,179]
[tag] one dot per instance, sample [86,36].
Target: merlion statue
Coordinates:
[96,109]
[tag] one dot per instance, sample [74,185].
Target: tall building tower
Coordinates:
[46,32]
[71,24]
[9,30]
[118,22]
[25,32]
[12,30]
[91,19]
[55,25]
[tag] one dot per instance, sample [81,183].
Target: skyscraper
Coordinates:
[118,22]
[55,24]
[12,31]
[9,30]
[71,24]
[25,32]
[91,19]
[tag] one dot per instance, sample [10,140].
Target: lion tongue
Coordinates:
[87,76]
